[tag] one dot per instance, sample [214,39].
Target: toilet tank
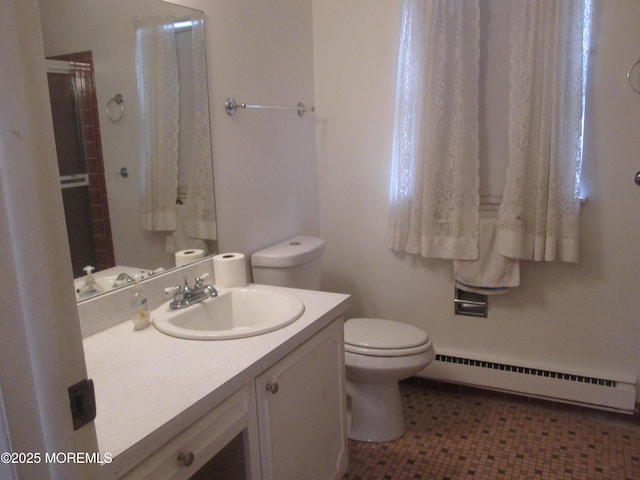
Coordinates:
[295,263]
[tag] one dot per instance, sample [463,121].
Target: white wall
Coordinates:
[580,318]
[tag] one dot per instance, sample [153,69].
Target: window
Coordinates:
[449,76]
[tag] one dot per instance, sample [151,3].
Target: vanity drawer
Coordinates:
[184,455]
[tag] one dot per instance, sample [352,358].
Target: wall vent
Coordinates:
[526,370]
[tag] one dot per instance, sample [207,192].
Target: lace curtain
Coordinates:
[159,89]
[538,217]
[200,205]
[435,181]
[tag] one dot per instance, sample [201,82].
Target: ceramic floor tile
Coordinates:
[455,433]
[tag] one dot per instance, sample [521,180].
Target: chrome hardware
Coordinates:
[273,388]
[185,296]
[231,106]
[122,279]
[200,280]
[75,180]
[115,108]
[172,291]
[186,458]
[470,303]
[124,173]
[636,178]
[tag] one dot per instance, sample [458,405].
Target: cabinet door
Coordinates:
[302,411]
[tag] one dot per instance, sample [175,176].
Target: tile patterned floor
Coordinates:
[457,432]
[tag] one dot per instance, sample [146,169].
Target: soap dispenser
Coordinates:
[140,312]
[90,287]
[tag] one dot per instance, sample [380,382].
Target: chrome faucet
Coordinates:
[185,296]
[123,279]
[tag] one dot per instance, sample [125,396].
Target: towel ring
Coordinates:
[633,76]
[115,108]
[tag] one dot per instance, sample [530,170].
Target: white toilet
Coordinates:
[378,353]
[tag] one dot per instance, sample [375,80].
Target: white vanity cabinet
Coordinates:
[172,409]
[292,427]
[302,411]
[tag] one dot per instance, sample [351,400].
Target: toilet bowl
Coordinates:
[378,354]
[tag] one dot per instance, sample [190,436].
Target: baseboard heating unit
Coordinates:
[605,393]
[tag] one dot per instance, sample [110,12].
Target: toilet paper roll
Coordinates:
[184,257]
[230,270]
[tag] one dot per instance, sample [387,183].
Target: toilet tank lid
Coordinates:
[289,253]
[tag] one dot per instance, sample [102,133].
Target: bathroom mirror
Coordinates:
[100,39]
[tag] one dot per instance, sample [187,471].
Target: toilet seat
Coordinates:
[377,337]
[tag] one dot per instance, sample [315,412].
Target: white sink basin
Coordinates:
[234,313]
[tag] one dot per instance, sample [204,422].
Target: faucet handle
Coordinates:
[176,290]
[200,280]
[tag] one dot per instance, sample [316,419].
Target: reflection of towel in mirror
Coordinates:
[491,273]
[178,239]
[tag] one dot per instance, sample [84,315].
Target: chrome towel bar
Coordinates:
[231,106]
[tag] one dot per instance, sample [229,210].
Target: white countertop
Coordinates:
[150,386]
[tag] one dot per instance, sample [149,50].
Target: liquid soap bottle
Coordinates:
[140,312]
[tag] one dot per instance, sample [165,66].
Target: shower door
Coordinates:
[81,178]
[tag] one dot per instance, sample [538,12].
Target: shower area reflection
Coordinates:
[78,146]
